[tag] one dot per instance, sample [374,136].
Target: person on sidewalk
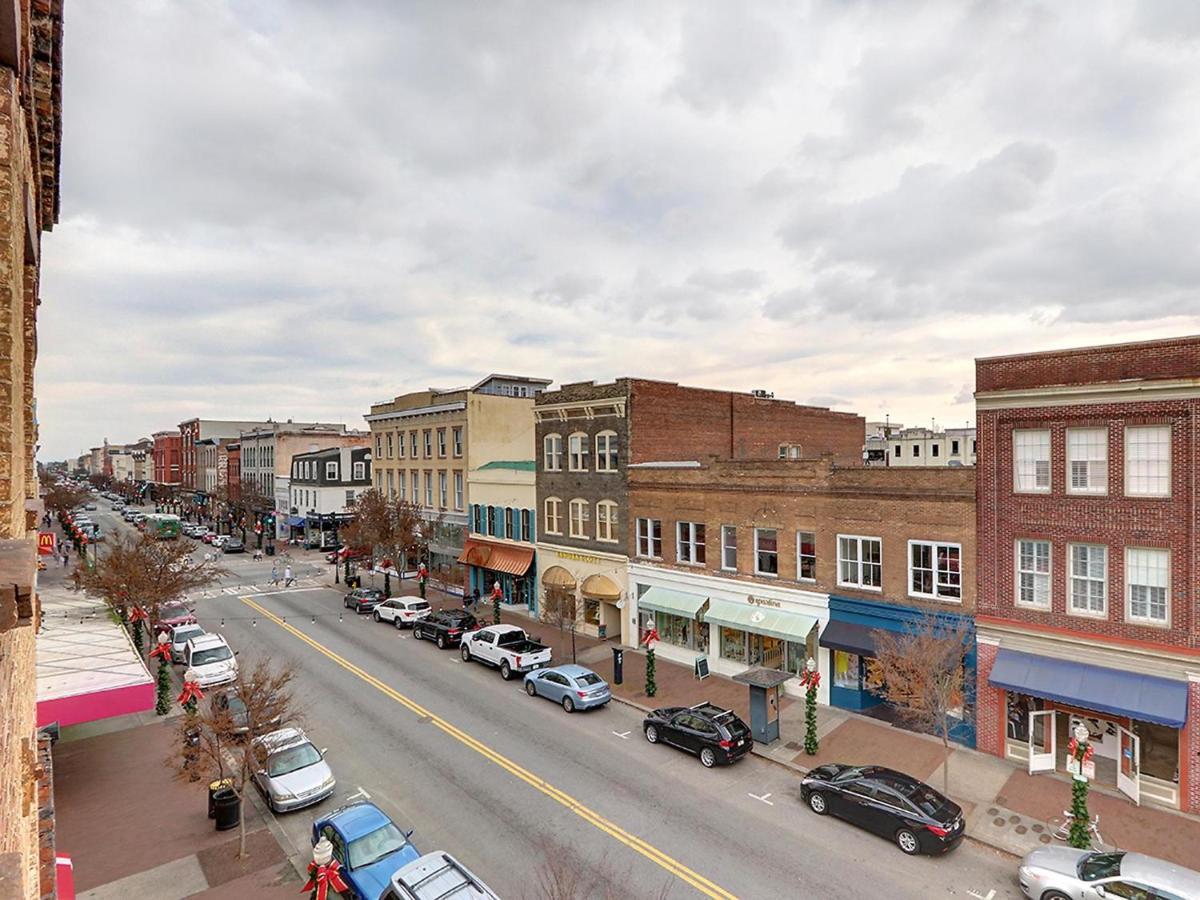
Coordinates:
[275,574]
[288,578]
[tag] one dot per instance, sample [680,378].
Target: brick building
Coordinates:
[167,462]
[233,471]
[191,432]
[589,435]
[1088,543]
[770,562]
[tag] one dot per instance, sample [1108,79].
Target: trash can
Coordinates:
[228,806]
[213,788]
[618,665]
[270,549]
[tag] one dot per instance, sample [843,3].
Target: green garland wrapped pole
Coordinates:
[811,679]
[1080,751]
[650,640]
[163,652]
[497,594]
[137,616]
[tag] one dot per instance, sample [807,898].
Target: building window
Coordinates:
[606,451]
[1089,579]
[456,437]
[390,448]
[847,671]
[378,449]
[1148,461]
[674,630]
[458,490]
[399,444]
[606,520]
[400,481]
[553,511]
[508,523]
[934,449]
[442,490]
[729,548]
[935,570]
[860,562]
[331,471]
[490,520]
[1147,584]
[689,542]
[441,436]
[360,471]
[954,448]
[526,526]
[733,644]
[577,452]
[1087,460]
[1031,461]
[896,452]
[1033,573]
[412,443]
[806,556]
[552,453]
[578,513]
[350,498]
[916,449]
[428,488]
[416,487]
[390,488]
[428,434]
[766,551]
[649,538]
[476,518]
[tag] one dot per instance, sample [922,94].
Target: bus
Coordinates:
[163,526]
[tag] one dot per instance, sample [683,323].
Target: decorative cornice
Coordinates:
[457,406]
[1083,394]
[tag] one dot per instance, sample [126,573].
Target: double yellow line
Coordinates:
[652,853]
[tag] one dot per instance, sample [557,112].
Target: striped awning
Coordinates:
[497,557]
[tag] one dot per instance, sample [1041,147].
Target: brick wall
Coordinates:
[47,853]
[989,703]
[1169,358]
[18,801]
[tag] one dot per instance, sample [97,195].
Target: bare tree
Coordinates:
[921,672]
[62,498]
[392,529]
[218,744]
[560,610]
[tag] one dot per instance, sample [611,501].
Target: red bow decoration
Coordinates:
[323,878]
[810,679]
[137,614]
[162,651]
[651,635]
[1073,750]
[191,691]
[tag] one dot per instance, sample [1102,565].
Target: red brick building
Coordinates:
[1088,544]
[233,471]
[167,458]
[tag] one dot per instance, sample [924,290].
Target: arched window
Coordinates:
[577,452]
[606,521]
[552,453]
[579,516]
[606,451]
[553,523]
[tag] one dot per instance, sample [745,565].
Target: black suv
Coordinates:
[714,734]
[363,600]
[446,627]
[891,804]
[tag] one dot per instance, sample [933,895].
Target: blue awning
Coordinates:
[1116,691]
[296,521]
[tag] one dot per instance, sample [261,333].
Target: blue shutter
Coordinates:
[533,525]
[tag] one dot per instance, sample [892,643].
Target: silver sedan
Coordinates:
[293,772]
[1064,873]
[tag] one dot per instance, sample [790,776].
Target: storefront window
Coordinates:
[591,611]
[1160,750]
[674,630]
[733,645]
[847,670]
[797,658]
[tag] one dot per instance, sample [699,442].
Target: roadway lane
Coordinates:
[459,798]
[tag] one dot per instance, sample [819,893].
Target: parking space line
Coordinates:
[635,843]
[623,735]
[763,798]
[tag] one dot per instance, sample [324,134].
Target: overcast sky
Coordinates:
[296,209]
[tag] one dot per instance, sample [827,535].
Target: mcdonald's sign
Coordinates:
[46,543]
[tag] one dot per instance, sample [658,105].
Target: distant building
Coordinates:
[324,486]
[167,460]
[894,445]
[191,432]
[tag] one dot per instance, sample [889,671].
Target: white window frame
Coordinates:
[429,488]
[645,538]
[1130,432]
[610,448]
[399,444]
[458,490]
[1164,622]
[390,447]
[606,514]
[685,536]
[360,471]
[858,562]
[441,443]
[456,441]
[1095,468]
[553,516]
[725,548]
[428,445]
[416,487]
[800,577]
[552,448]
[331,471]
[443,482]
[578,446]
[934,546]
[1073,610]
[1018,473]
[1046,577]
[581,520]
[757,570]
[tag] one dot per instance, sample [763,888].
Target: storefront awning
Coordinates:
[1144,697]
[776,623]
[677,603]
[849,636]
[558,577]
[296,521]
[497,557]
[598,587]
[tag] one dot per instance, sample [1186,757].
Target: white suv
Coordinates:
[211,659]
[402,612]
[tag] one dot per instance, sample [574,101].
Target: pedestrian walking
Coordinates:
[287,576]
[275,574]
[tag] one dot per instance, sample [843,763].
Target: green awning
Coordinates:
[677,603]
[776,623]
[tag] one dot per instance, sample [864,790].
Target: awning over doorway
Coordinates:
[1145,697]
[599,587]
[296,521]
[848,636]
[776,623]
[497,557]
[558,577]
[677,603]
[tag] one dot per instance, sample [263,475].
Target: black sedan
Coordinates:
[889,803]
[364,600]
[445,627]
[714,734]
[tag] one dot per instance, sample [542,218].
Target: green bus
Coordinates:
[163,526]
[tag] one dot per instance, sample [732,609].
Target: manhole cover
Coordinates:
[1020,829]
[999,823]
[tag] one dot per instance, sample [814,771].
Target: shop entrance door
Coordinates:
[1129,764]
[1042,740]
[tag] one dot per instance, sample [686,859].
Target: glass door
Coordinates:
[1042,740]
[1129,764]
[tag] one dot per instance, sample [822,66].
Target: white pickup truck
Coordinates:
[506,646]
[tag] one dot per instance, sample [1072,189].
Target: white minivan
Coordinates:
[211,659]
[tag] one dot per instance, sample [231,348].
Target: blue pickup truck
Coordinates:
[369,846]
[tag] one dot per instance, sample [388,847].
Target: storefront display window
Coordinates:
[797,658]
[673,629]
[733,644]
[847,670]
[591,611]
[1160,750]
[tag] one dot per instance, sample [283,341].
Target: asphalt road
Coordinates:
[519,790]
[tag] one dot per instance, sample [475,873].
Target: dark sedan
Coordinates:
[891,804]
[445,628]
[714,734]
[233,546]
[364,600]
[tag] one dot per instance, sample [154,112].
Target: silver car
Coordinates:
[1064,873]
[293,772]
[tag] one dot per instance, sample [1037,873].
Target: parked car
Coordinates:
[336,555]
[891,804]
[227,699]
[402,611]
[219,540]
[368,845]
[171,614]
[180,635]
[211,659]
[573,687]
[208,537]
[1064,873]
[294,773]
[233,545]
[436,876]
[505,646]
[714,734]
[89,505]
[445,627]
[363,600]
